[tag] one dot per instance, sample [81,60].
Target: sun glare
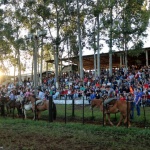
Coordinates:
[1,73]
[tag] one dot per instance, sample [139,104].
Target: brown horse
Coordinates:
[5,102]
[12,105]
[115,106]
[41,106]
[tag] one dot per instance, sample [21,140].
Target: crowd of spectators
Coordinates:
[133,84]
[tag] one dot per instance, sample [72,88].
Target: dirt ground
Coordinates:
[20,140]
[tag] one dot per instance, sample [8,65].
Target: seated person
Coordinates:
[97,95]
[70,95]
[92,96]
[87,93]
[75,94]
[56,95]
[79,93]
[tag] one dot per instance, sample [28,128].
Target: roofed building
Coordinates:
[117,59]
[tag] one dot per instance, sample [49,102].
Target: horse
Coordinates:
[11,105]
[3,101]
[115,106]
[40,105]
[25,105]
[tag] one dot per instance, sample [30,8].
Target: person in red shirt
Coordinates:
[97,84]
[122,97]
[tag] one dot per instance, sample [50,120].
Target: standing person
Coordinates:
[130,98]
[122,97]
[137,100]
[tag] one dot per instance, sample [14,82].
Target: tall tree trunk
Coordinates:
[79,41]
[32,70]
[126,55]
[18,51]
[35,64]
[110,44]
[19,63]
[15,69]
[56,51]
[98,47]
[19,67]
[56,66]
[95,63]
[14,73]
[41,66]
[95,73]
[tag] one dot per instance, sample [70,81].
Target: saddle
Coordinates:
[109,104]
[39,102]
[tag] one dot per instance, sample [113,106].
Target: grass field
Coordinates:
[19,134]
[96,118]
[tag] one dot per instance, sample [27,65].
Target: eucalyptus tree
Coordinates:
[96,30]
[130,25]
[14,39]
[108,19]
[5,46]
[7,38]
[78,10]
[33,24]
[125,22]
[52,14]
[55,15]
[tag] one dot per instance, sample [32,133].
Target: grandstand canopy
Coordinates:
[88,60]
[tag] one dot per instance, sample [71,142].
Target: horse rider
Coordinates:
[12,97]
[41,96]
[27,93]
[110,95]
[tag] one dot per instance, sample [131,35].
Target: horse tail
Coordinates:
[54,111]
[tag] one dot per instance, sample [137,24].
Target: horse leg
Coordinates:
[127,120]
[104,119]
[17,113]
[108,115]
[7,110]
[38,114]
[34,115]
[121,118]
[25,115]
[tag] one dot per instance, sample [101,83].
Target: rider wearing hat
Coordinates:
[41,94]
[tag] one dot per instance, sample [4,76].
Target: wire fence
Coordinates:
[83,114]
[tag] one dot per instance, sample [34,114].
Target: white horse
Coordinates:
[25,106]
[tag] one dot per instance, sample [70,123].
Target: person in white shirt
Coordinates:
[56,95]
[41,95]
